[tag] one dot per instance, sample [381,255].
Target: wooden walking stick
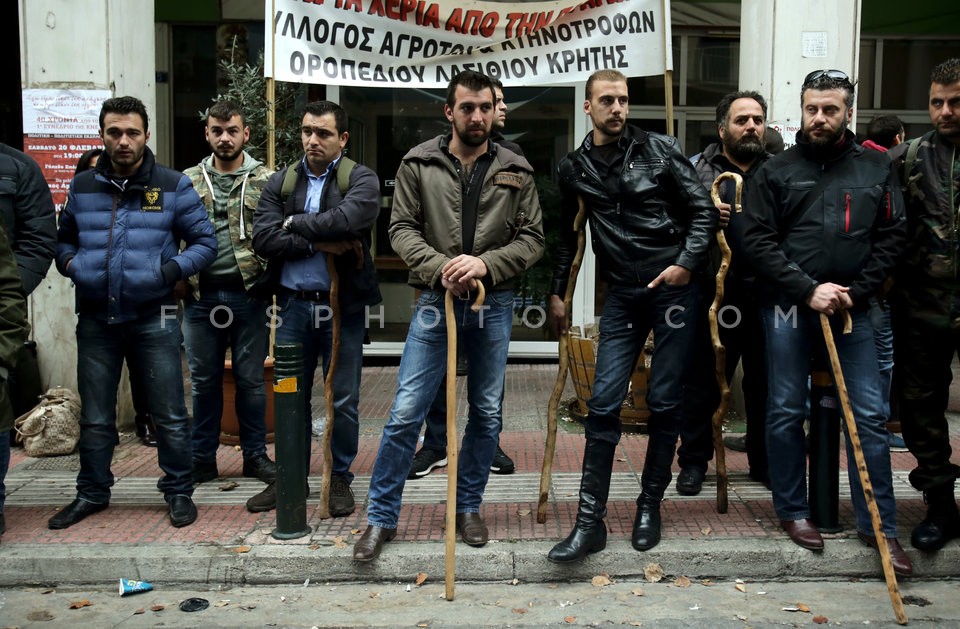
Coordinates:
[718,349]
[452,450]
[854,436]
[551,444]
[328,386]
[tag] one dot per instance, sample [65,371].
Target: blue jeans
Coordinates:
[100,353]
[791,342]
[486,340]
[310,324]
[883,330]
[221,318]
[629,313]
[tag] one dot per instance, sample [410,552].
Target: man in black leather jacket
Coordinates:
[824,227]
[652,222]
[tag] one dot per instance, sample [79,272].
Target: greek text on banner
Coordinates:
[423,43]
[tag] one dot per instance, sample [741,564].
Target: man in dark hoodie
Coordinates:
[824,227]
[119,242]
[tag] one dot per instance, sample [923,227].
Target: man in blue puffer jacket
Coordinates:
[119,241]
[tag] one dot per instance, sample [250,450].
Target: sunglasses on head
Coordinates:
[839,75]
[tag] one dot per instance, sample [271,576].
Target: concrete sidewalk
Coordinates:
[228,545]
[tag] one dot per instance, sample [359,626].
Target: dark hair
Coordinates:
[496,83]
[723,107]
[947,72]
[822,80]
[883,130]
[84,162]
[603,75]
[225,110]
[124,105]
[773,140]
[471,80]
[324,107]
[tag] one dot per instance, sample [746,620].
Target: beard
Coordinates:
[469,138]
[227,154]
[825,142]
[746,149]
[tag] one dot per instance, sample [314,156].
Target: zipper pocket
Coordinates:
[846,213]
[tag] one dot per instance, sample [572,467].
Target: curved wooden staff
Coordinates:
[452,450]
[328,387]
[718,349]
[882,546]
[550,446]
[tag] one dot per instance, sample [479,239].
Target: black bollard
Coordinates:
[290,430]
[824,451]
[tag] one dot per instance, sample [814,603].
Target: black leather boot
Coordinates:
[942,522]
[656,477]
[146,430]
[589,534]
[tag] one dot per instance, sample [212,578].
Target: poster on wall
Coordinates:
[58,126]
[424,43]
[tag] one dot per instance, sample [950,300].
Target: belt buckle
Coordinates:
[464,296]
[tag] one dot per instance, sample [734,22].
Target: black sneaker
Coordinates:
[425,460]
[341,497]
[204,471]
[260,466]
[502,464]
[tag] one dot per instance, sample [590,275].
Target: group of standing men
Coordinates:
[825,226]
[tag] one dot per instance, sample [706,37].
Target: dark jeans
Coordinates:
[741,333]
[101,348]
[630,312]
[925,342]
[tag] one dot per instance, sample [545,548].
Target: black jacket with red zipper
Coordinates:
[851,233]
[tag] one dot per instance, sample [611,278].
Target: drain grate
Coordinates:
[66,463]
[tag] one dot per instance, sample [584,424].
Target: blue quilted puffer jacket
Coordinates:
[122,239]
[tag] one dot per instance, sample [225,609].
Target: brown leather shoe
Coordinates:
[472,529]
[902,566]
[804,533]
[368,547]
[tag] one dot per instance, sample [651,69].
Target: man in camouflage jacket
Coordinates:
[223,309]
[927,311]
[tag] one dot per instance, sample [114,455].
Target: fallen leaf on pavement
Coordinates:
[242,549]
[706,530]
[221,603]
[653,572]
[570,619]
[338,542]
[228,486]
[523,513]
[681,582]
[41,615]
[157,608]
[354,531]
[519,610]
[374,594]
[803,608]
[821,620]
[638,591]
[140,611]
[741,617]
[741,587]
[313,546]
[81,603]
[707,582]
[600,580]
[421,577]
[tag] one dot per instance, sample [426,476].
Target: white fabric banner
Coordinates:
[423,43]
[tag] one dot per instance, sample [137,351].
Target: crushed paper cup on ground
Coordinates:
[131,586]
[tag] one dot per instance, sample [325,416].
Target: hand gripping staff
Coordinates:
[551,443]
[328,385]
[882,546]
[452,450]
[718,349]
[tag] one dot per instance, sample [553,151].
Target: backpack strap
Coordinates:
[912,147]
[343,178]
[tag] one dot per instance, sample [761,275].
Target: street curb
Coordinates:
[271,564]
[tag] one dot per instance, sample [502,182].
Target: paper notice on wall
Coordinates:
[788,129]
[58,126]
[813,44]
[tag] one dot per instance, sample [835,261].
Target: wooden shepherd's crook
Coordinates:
[854,437]
[551,443]
[328,387]
[451,530]
[718,349]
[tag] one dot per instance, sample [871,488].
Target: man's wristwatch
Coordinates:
[287,222]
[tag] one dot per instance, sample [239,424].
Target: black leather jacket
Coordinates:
[850,234]
[660,215]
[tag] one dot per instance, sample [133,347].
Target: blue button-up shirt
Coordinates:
[310,273]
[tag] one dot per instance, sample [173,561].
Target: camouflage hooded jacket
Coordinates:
[244,195]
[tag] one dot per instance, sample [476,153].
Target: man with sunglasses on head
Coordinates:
[926,311]
[824,227]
